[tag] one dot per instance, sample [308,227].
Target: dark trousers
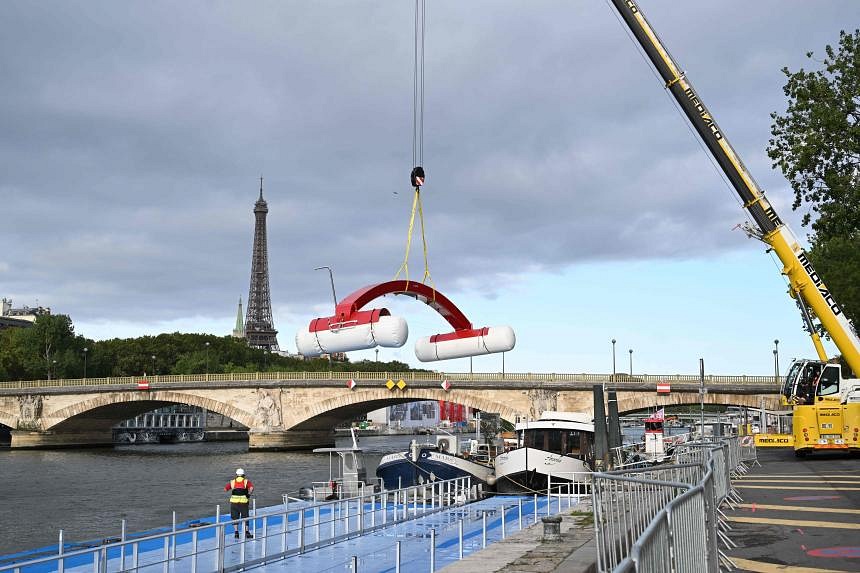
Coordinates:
[239,511]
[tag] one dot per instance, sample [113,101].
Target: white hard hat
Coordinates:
[240,472]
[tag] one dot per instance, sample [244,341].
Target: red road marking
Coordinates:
[839,552]
[811,497]
[799,530]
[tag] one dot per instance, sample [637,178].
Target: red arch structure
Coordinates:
[348,309]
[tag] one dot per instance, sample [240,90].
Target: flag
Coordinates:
[660,414]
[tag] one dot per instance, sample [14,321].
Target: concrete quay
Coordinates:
[525,552]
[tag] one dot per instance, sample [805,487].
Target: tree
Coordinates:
[816,145]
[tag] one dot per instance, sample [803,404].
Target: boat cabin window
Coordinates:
[653,426]
[563,442]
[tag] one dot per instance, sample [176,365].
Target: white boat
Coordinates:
[347,475]
[557,447]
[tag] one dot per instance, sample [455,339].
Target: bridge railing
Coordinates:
[540,377]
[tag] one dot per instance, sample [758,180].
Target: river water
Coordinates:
[88,493]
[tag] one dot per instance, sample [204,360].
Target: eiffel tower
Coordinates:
[259,329]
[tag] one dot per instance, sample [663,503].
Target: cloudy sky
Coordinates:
[566,196]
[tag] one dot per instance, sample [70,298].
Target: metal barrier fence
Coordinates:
[668,518]
[618,379]
[279,534]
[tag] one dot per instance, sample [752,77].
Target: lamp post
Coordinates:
[207,358]
[776,360]
[613,359]
[54,366]
[631,362]
[331,280]
[85,362]
[377,355]
[153,364]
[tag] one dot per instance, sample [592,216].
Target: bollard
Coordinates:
[551,528]
[520,510]
[536,509]
[355,564]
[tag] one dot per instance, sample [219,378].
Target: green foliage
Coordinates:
[838,260]
[816,144]
[52,346]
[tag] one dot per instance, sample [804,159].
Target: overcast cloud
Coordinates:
[132,136]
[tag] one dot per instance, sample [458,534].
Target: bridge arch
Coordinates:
[633,401]
[326,414]
[115,407]
[9,420]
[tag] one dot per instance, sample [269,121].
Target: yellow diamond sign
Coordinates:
[390,384]
[401,384]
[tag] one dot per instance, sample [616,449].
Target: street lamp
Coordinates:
[331,280]
[153,364]
[207,358]
[85,362]
[613,359]
[776,360]
[54,366]
[631,362]
[377,355]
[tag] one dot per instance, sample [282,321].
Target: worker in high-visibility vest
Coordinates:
[240,489]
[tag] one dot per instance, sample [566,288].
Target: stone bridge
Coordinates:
[299,410]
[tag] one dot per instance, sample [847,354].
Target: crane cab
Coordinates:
[825,414]
[810,381]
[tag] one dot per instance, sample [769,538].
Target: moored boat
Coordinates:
[442,460]
[559,447]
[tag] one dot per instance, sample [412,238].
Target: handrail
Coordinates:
[619,381]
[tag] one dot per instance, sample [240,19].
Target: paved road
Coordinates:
[798,515]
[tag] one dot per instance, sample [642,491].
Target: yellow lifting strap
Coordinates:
[404,268]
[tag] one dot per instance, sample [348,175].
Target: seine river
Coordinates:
[87,493]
